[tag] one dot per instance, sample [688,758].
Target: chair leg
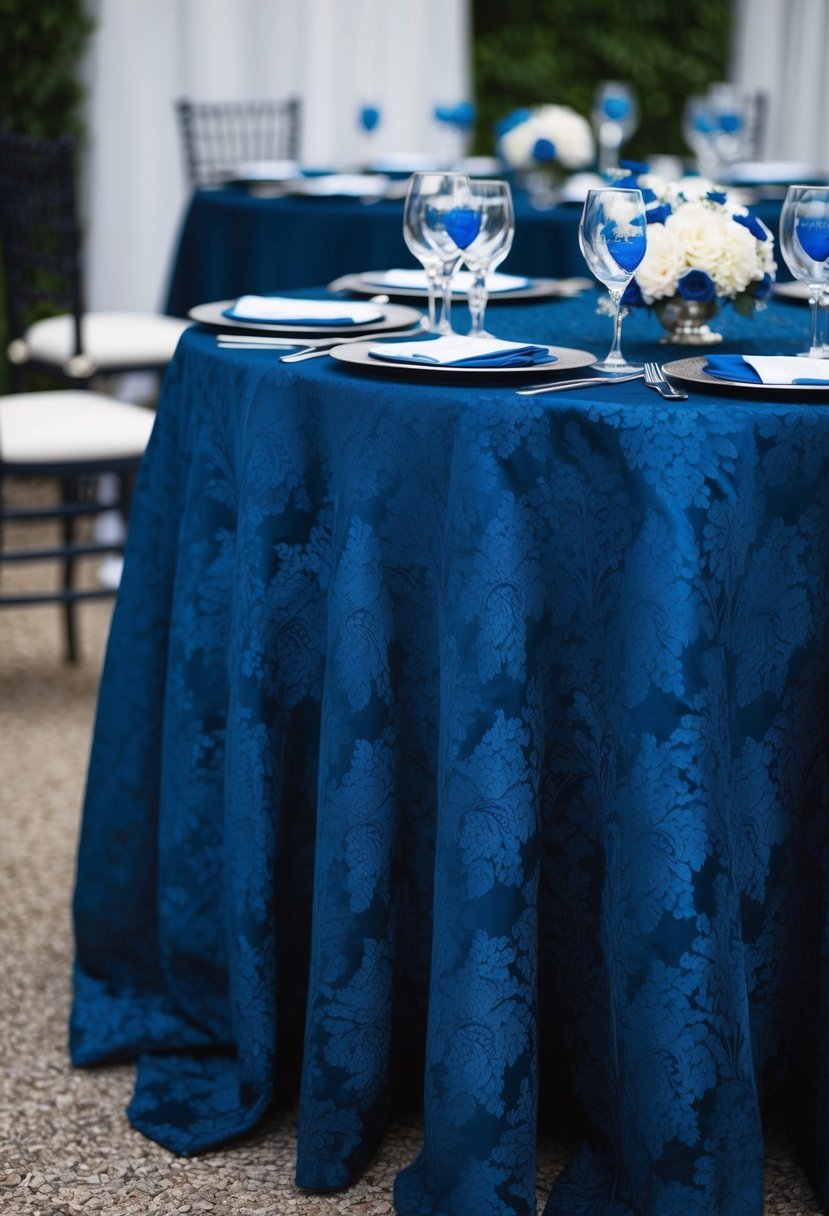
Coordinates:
[70,494]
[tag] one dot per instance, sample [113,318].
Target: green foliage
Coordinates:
[528,52]
[41,43]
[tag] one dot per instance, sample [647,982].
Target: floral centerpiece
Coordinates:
[703,250]
[542,143]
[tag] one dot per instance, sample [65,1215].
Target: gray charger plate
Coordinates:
[567,360]
[536,289]
[689,372]
[393,317]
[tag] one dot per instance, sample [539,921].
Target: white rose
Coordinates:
[738,263]
[700,230]
[662,266]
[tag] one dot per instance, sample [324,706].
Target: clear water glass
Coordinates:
[804,244]
[492,244]
[439,222]
[612,237]
[615,117]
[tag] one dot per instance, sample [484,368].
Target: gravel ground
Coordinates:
[65,1144]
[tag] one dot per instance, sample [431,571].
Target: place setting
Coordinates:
[450,221]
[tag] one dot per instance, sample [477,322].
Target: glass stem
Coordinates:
[476,299]
[445,323]
[432,277]
[815,346]
[615,352]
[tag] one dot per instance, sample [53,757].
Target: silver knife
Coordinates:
[559,386]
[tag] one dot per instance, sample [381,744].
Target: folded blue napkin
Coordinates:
[781,370]
[286,310]
[455,351]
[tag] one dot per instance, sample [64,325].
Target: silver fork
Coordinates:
[655,379]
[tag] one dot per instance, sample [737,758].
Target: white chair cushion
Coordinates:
[110,339]
[70,424]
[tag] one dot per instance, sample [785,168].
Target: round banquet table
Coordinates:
[470,749]
[233,241]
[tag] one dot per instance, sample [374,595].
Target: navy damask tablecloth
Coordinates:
[475,746]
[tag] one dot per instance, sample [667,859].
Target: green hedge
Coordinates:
[527,52]
[42,42]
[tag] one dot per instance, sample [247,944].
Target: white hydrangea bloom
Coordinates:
[562,126]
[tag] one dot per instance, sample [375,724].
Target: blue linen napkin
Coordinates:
[285,310]
[456,351]
[734,367]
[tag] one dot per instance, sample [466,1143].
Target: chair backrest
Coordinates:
[39,231]
[217,136]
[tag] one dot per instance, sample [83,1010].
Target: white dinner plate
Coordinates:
[366,284]
[394,317]
[567,360]
[690,372]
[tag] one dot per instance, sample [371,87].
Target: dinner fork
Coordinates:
[655,379]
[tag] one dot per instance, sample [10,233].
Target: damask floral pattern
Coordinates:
[441,727]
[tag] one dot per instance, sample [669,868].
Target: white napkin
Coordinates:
[416,280]
[787,369]
[453,349]
[289,309]
[360,185]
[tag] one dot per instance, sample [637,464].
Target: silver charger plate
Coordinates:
[567,360]
[394,317]
[794,290]
[690,371]
[536,289]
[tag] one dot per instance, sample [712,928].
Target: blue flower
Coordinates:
[369,117]
[697,285]
[544,150]
[634,167]
[462,115]
[760,288]
[511,120]
[753,224]
[716,196]
[632,295]
[658,215]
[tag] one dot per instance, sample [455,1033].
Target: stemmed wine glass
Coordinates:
[490,246]
[439,222]
[804,243]
[612,239]
[615,118]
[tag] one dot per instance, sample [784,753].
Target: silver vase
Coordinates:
[687,322]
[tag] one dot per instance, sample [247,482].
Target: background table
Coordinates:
[475,746]
[232,242]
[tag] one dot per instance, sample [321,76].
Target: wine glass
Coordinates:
[804,243]
[491,245]
[612,240]
[615,118]
[439,222]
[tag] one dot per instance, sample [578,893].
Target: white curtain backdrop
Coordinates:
[405,56]
[782,47]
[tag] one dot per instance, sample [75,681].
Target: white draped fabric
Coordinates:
[337,55]
[782,47]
